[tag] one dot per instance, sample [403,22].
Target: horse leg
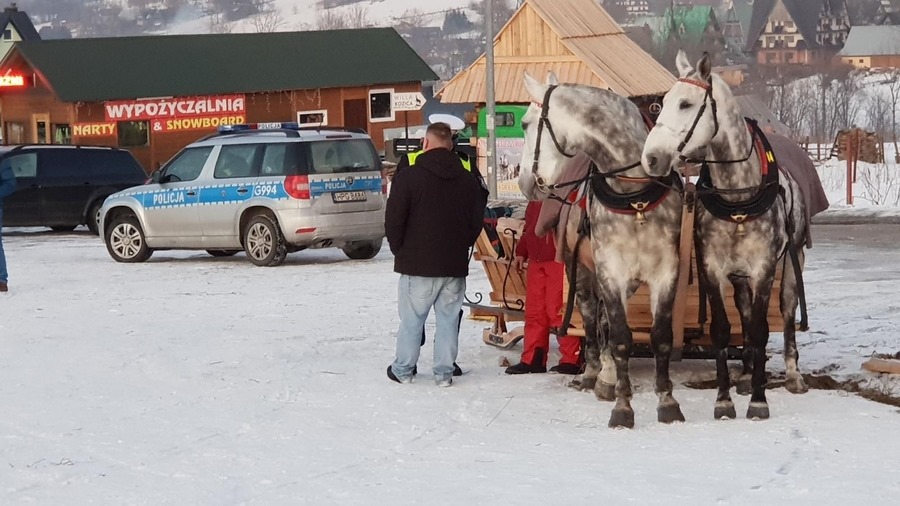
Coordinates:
[742,301]
[620,342]
[759,338]
[788,300]
[720,333]
[661,338]
[587,304]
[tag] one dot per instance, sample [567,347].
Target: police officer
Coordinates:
[409,160]
[455,125]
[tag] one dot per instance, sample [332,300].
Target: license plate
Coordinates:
[339,197]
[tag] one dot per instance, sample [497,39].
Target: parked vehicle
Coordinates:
[62,187]
[266,189]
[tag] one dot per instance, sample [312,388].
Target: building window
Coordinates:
[312,117]
[15,133]
[7,34]
[380,106]
[789,57]
[860,60]
[770,57]
[506,119]
[62,134]
[790,39]
[133,133]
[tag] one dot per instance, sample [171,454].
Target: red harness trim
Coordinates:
[572,198]
[700,84]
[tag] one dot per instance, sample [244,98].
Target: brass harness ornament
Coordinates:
[640,207]
[739,218]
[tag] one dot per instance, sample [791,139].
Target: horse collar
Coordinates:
[635,203]
[757,205]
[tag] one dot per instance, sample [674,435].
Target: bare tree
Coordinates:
[267,21]
[218,24]
[358,16]
[331,19]
[893,87]
[412,18]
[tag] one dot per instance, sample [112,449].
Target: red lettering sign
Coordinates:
[12,81]
[137,110]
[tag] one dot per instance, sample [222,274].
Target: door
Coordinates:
[40,132]
[235,172]
[171,208]
[22,208]
[65,186]
[356,114]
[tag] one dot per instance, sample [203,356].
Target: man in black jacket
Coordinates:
[434,215]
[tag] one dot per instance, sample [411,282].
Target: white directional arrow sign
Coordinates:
[408,101]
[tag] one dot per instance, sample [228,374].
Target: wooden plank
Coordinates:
[884,365]
[684,264]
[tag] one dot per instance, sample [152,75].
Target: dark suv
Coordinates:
[62,187]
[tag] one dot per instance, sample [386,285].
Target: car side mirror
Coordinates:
[154,177]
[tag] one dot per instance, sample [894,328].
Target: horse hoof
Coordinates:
[585,384]
[743,386]
[724,410]
[758,411]
[669,413]
[621,418]
[796,385]
[605,392]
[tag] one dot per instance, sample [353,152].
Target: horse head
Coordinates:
[690,118]
[564,119]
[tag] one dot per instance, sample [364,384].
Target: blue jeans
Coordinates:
[416,296]
[4,276]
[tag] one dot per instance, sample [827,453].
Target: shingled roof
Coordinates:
[805,14]
[84,70]
[21,21]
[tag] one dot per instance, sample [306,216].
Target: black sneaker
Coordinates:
[393,377]
[566,369]
[525,368]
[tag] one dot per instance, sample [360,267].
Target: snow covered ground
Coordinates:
[195,380]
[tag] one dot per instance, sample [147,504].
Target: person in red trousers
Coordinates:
[543,302]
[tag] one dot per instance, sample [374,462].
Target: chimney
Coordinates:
[12,8]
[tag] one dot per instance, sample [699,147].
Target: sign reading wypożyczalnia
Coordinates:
[139,110]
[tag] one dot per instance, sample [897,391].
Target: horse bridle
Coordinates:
[544,121]
[707,99]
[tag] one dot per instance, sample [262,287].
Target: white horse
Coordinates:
[750,218]
[635,219]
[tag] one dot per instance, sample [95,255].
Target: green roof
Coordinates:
[85,70]
[688,22]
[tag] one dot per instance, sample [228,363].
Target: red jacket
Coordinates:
[530,246]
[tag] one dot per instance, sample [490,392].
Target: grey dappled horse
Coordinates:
[746,220]
[635,223]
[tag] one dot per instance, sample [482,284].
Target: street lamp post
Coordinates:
[491,105]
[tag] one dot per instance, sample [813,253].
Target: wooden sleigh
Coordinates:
[690,326]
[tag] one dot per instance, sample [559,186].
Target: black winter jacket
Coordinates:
[434,215]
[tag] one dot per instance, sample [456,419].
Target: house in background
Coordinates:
[736,26]
[888,13]
[15,26]
[798,32]
[872,47]
[691,26]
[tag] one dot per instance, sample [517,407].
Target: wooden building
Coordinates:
[155,94]
[872,47]
[797,32]
[575,39]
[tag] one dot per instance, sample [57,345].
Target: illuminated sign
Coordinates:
[164,108]
[93,129]
[205,123]
[12,81]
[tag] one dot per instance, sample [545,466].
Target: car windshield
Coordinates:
[341,156]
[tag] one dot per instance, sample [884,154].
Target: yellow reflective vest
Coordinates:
[466,163]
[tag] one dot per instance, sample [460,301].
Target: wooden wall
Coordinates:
[528,35]
[19,106]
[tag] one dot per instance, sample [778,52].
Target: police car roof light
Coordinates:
[258,126]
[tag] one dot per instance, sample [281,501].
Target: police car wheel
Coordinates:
[125,240]
[362,250]
[263,242]
[221,253]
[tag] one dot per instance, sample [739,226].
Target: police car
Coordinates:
[267,189]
